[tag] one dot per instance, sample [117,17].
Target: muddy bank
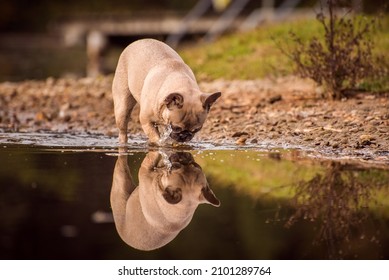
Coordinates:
[279,113]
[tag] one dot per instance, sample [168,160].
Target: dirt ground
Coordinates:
[282,113]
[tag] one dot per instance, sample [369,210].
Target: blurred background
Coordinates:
[76,38]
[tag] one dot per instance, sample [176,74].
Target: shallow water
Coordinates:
[80,199]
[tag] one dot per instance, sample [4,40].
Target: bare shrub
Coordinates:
[344,57]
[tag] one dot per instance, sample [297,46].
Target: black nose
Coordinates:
[186,136]
[183,136]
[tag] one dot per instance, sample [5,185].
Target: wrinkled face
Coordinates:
[185,183]
[186,124]
[183,180]
[186,117]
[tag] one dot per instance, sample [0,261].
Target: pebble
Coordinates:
[367,137]
[275,98]
[253,110]
[241,141]
[39,117]
[239,134]
[354,129]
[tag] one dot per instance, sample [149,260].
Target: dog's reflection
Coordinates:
[170,188]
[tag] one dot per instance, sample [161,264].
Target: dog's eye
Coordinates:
[176,129]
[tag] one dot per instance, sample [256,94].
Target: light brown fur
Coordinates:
[152,214]
[152,74]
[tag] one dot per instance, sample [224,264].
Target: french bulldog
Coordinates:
[152,74]
[170,189]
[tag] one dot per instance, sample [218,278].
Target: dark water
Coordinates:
[90,203]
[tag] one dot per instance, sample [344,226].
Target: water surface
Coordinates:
[85,201]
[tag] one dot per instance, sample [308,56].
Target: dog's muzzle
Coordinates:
[183,136]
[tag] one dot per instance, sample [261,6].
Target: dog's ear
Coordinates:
[208,99]
[174,100]
[209,197]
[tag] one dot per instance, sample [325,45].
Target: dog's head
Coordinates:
[185,183]
[186,113]
[171,188]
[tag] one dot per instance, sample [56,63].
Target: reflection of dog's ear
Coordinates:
[208,99]
[172,196]
[209,196]
[174,100]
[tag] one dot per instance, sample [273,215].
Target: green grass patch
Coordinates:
[256,54]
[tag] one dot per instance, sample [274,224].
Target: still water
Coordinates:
[92,203]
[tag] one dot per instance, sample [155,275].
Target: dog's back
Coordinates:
[138,58]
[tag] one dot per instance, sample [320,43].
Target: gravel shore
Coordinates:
[286,112]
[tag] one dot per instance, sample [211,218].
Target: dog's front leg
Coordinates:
[151,130]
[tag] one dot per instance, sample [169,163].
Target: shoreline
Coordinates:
[282,112]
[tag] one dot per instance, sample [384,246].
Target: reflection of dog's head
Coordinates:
[184,183]
[164,202]
[186,114]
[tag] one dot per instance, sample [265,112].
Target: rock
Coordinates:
[241,140]
[39,117]
[344,141]
[275,98]
[366,139]
[253,110]
[239,134]
[354,129]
